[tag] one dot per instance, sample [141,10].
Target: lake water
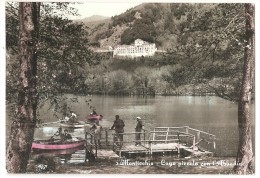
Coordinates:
[209,113]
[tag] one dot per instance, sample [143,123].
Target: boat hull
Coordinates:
[94,117]
[72,125]
[46,145]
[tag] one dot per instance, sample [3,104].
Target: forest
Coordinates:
[205,58]
[204,44]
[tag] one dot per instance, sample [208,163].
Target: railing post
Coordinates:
[144,137]
[113,144]
[167,133]
[86,147]
[91,142]
[187,129]
[86,139]
[106,138]
[198,135]
[214,143]
[178,136]
[178,148]
[193,144]
[96,147]
[150,148]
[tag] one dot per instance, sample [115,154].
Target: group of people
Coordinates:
[119,129]
[118,126]
[71,119]
[63,135]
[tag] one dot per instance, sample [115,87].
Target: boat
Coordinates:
[73,125]
[94,117]
[37,152]
[57,144]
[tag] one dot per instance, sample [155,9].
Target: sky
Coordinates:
[107,9]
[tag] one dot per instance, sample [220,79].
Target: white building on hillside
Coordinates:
[138,49]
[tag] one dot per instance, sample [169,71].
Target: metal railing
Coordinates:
[188,135]
[129,138]
[90,144]
[185,135]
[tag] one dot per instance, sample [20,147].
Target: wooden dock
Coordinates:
[181,141]
[106,154]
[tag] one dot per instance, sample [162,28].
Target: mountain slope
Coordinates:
[160,23]
[94,18]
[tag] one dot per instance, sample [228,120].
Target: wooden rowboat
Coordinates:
[58,144]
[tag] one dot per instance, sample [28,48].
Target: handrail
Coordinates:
[171,127]
[92,138]
[202,132]
[184,127]
[172,134]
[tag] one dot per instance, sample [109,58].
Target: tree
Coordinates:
[44,54]
[227,45]
[120,82]
[22,129]
[245,150]
[220,39]
[63,54]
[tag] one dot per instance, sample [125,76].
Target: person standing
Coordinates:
[119,127]
[138,130]
[97,133]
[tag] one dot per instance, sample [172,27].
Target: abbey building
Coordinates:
[138,49]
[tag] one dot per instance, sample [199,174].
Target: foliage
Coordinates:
[208,44]
[210,48]
[207,48]
[103,35]
[126,17]
[63,54]
[141,29]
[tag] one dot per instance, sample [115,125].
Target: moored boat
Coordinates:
[72,125]
[93,117]
[58,144]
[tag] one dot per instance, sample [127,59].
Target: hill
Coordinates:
[94,18]
[159,23]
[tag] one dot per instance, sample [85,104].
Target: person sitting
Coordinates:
[66,119]
[73,118]
[67,135]
[93,113]
[59,133]
[51,139]
[73,114]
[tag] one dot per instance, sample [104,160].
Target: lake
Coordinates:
[208,113]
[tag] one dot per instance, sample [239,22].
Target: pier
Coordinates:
[181,141]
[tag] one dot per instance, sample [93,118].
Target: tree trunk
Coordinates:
[245,151]
[24,120]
